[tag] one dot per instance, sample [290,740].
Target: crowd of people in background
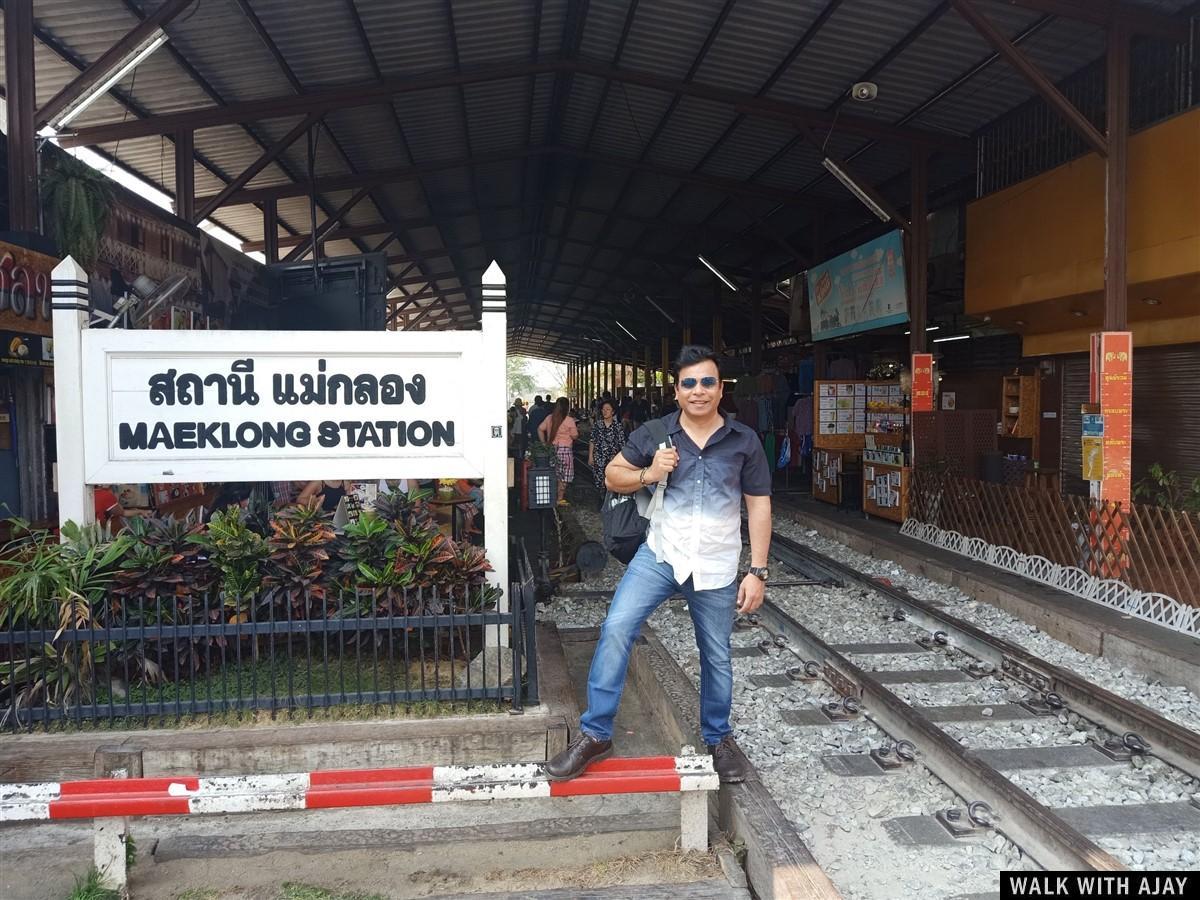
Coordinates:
[554,423]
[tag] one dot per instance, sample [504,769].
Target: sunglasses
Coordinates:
[689,384]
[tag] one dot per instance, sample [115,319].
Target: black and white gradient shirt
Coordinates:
[701,524]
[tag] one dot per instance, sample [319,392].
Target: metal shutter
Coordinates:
[1166,413]
[1075,394]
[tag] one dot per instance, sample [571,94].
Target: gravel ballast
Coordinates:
[841,818]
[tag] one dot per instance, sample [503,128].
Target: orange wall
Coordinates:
[1044,238]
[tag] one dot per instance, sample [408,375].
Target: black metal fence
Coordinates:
[151,664]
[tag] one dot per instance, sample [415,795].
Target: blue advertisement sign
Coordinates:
[859,290]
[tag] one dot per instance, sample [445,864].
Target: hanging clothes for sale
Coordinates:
[804,377]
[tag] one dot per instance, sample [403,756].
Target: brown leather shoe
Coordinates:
[728,760]
[578,755]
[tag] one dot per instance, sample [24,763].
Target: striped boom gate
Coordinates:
[690,776]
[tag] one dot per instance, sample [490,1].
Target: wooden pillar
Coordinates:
[21,100]
[718,343]
[687,320]
[666,360]
[1116,295]
[185,175]
[818,255]
[918,251]
[648,368]
[756,325]
[271,230]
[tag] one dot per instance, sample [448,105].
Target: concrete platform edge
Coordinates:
[298,747]
[778,864]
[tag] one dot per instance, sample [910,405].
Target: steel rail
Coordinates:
[1035,828]
[1171,742]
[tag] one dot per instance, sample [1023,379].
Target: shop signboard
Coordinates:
[17,349]
[1115,383]
[189,406]
[859,290]
[25,291]
[922,382]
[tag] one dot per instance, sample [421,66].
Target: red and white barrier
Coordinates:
[109,798]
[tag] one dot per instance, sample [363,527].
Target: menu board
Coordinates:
[846,411]
[840,411]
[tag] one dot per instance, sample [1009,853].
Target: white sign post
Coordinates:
[70,303]
[188,406]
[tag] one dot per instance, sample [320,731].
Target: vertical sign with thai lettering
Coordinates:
[1115,377]
[922,382]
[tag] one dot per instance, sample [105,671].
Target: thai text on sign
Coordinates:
[922,382]
[240,406]
[1115,384]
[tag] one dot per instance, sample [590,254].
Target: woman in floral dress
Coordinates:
[608,436]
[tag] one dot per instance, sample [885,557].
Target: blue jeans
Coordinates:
[644,587]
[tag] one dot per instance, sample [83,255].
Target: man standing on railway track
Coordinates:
[711,464]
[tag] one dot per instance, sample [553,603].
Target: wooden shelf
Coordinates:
[1023,393]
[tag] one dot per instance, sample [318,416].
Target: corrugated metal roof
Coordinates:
[322,46]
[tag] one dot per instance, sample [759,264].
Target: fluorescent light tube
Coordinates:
[717,272]
[852,186]
[664,313]
[100,88]
[953,337]
[930,328]
[624,329]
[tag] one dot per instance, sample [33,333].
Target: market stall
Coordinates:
[860,455]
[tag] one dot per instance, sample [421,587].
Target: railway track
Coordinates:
[902,626]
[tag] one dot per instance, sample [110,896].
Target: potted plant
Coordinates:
[77,199]
[297,562]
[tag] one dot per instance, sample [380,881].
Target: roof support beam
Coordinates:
[110,60]
[20,97]
[408,173]
[937,96]
[299,104]
[1116,196]
[185,176]
[372,93]
[270,243]
[1136,18]
[374,179]
[327,226]
[385,228]
[1032,74]
[267,157]
[779,110]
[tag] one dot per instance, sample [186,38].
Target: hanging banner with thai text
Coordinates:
[922,382]
[254,406]
[859,290]
[1115,370]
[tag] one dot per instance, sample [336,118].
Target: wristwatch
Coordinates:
[759,572]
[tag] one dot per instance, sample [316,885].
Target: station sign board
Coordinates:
[188,406]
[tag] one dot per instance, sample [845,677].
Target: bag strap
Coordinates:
[658,433]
